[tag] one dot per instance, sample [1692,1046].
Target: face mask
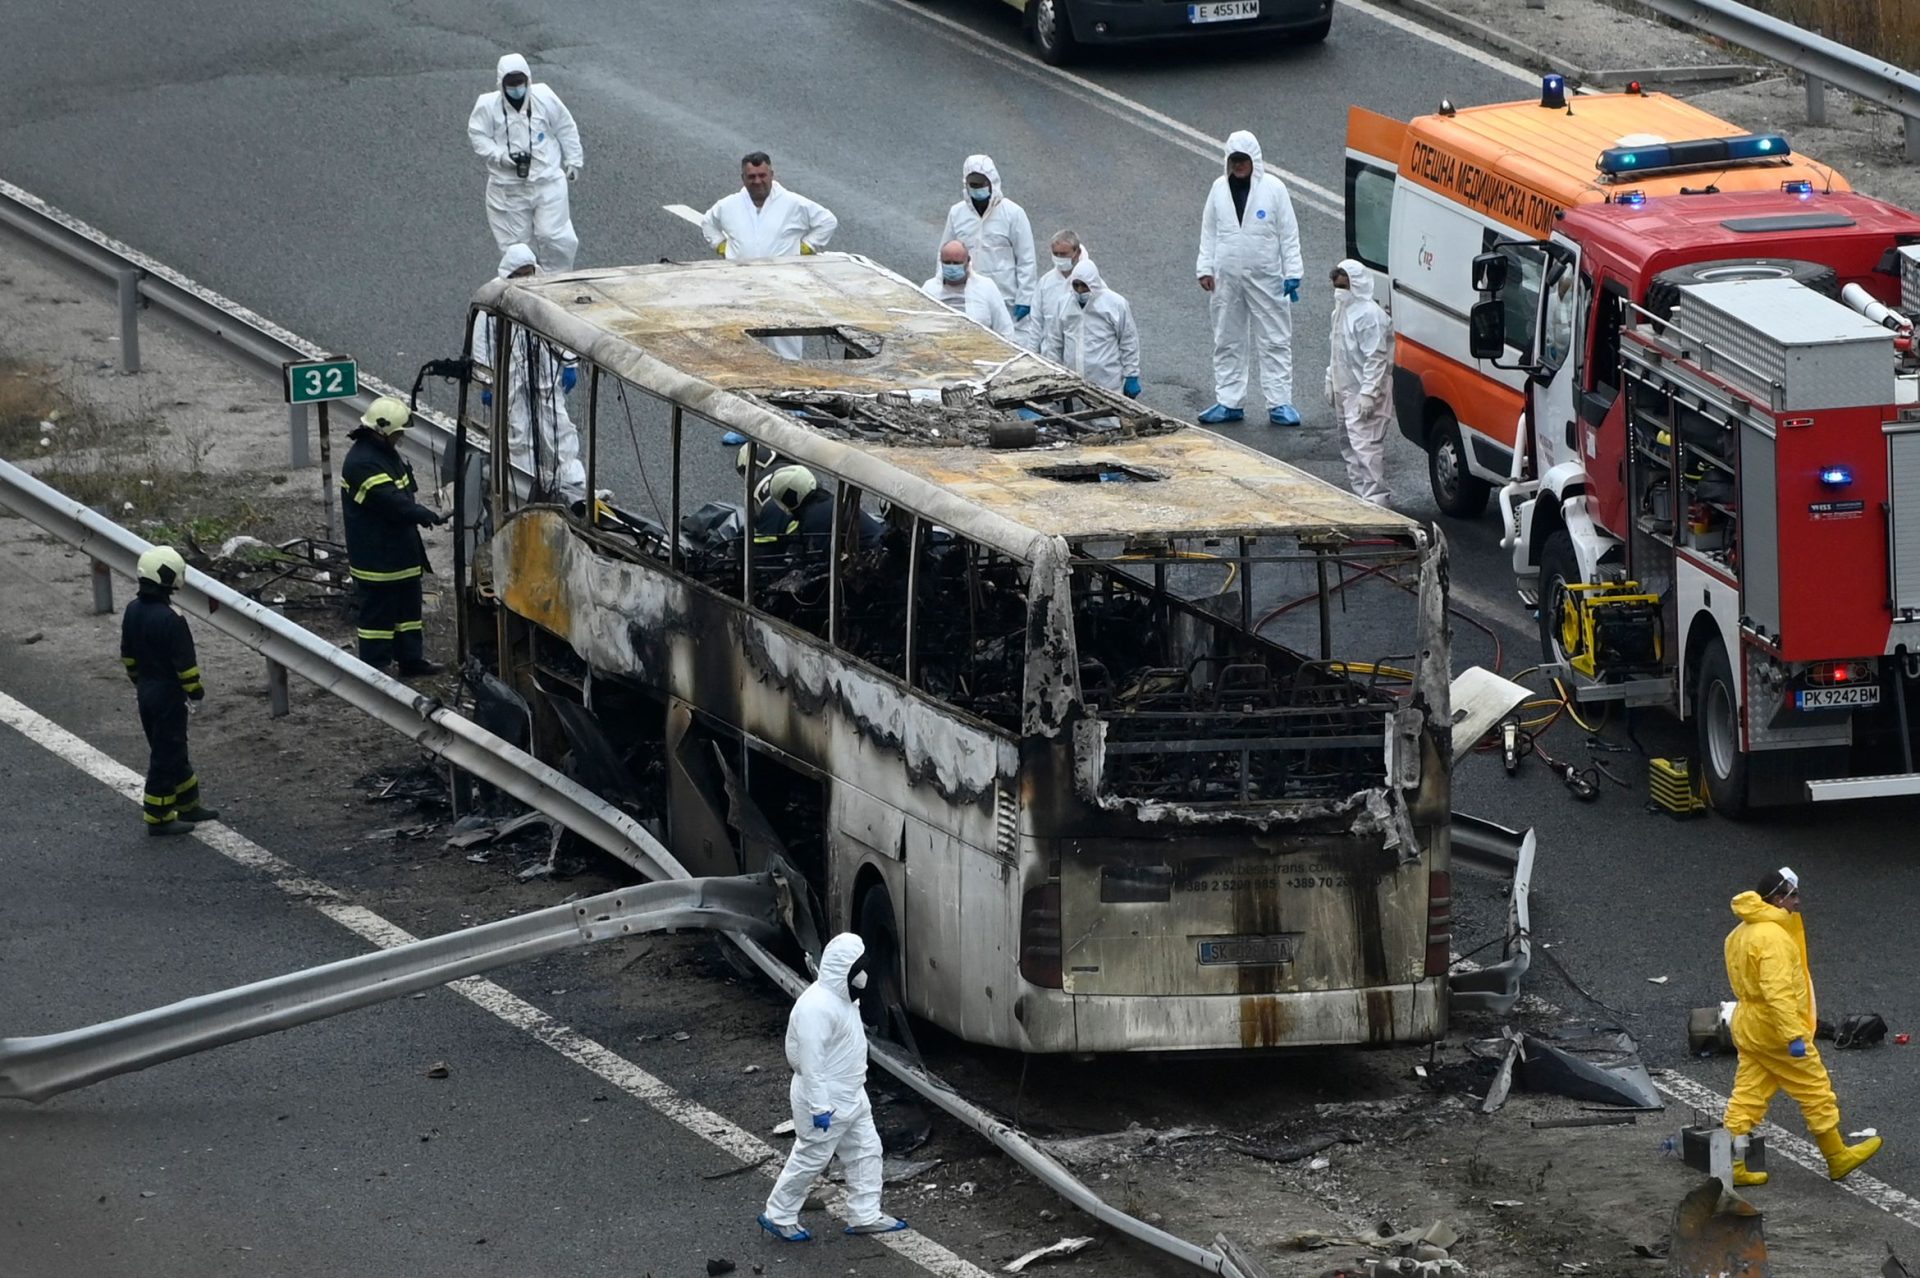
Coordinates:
[1064,265]
[953,272]
[859,980]
[980,195]
[516,92]
[1081,299]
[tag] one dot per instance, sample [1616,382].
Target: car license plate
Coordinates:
[1865,694]
[1223,11]
[1246,951]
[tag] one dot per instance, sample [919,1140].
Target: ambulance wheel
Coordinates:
[1457,491]
[1721,762]
[1559,568]
[1052,31]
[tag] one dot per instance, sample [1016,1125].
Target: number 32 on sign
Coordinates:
[318,381]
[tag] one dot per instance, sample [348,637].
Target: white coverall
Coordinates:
[1001,242]
[558,466]
[1052,293]
[1097,341]
[1249,257]
[531,210]
[787,225]
[977,298]
[1359,381]
[827,1048]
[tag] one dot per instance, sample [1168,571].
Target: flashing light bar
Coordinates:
[1797,186]
[1836,476]
[1631,197]
[1618,160]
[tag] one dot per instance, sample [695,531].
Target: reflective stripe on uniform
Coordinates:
[374,634]
[401,627]
[368,485]
[158,800]
[190,673]
[365,574]
[185,786]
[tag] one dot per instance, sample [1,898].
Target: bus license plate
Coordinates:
[1223,11]
[1866,694]
[1246,951]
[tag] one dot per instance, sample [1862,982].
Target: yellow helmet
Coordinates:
[163,566]
[387,415]
[792,485]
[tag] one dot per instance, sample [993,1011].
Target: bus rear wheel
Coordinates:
[883,1005]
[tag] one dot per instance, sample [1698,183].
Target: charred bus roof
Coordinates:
[925,406]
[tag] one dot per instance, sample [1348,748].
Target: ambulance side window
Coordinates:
[1369,212]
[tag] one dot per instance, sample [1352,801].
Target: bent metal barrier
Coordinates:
[167,1033]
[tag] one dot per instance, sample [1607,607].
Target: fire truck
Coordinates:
[1715,504]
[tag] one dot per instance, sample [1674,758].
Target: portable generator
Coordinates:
[1610,628]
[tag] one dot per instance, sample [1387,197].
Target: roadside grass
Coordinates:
[1888,29]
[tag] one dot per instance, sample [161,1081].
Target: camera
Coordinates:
[522,162]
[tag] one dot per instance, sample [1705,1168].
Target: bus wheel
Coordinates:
[1052,31]
[1457,491]
[1716,719]
[884,1006]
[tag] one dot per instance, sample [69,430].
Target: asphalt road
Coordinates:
[315,169]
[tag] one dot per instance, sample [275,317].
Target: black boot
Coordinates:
[165,829]
[197,814]
[421,668]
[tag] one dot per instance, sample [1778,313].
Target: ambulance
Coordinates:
[1424,197]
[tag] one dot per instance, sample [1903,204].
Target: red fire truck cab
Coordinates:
[1717,507]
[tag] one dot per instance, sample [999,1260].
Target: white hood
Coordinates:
[510,63]
[1243,141]
[1359,280]
[980,164]
[836,961]
[516,256]
[1087,273]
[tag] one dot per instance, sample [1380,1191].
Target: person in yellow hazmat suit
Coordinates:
[1773,1027]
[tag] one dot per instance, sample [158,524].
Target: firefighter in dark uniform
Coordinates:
[157,649]
[383,523]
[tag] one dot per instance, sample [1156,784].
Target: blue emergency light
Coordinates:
[1635,198]
[1553,91]
[1836,476]
[1797,186]
[1700,152]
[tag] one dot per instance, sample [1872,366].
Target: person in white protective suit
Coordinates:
[999,235]
[1359,376]
[827,1047]
[1250,265]
[765,219]
[527,137]
[1052,291]
[552,453]
[1095,335]
[966,290]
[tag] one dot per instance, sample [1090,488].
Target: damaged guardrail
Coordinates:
[34,1069]
[450,736]
[1496,986]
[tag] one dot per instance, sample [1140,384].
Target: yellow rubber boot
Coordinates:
[1741,1176]
[1844,1159]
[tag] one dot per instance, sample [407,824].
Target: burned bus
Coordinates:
[1107,733]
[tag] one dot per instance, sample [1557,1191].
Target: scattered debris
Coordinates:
[1893,1268]
[750,1069]
[718,1267]
[1603,1067]
[1716,1232]
[1622,1119]
[1320,1164]
[1438,1235]
[1503,1079]
[1865,1133]
[1065,1247]
[1506,1203]
[903,1127]
[1710,1030]
[1658,980]
[726,1172]
[783,1128]
[1108,1148]
[893,1170]
[965,1190]
[1652,1250]
[1295,1151]
[681,1036]
[438,1070]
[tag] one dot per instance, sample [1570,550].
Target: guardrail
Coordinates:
[450,736]
[238,333]
[1821,60]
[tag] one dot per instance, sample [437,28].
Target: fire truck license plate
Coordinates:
[1246,951]
[1867,694]
[1223,11]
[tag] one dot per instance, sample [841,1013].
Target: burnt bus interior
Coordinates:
[1228,669]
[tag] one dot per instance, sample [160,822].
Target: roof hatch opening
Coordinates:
[818,342]
[1095,472]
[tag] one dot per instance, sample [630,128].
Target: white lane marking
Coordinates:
[1676,1086]
[684,213]
[731,1139]
[1403,23]
[1139,114]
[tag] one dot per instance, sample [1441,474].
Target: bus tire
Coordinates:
[1457,491]
[874,922]
[1716,721]
[1052,31]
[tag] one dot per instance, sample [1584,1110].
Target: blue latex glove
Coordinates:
[1131,388]
[486,399]
[824,1121]
[1021,312]
[1796,1049]
[569,378]
[1292,289]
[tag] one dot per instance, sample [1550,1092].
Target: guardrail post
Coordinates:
[297,451]
[278,705]
[130,318]
[1911,127]
[102,589]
